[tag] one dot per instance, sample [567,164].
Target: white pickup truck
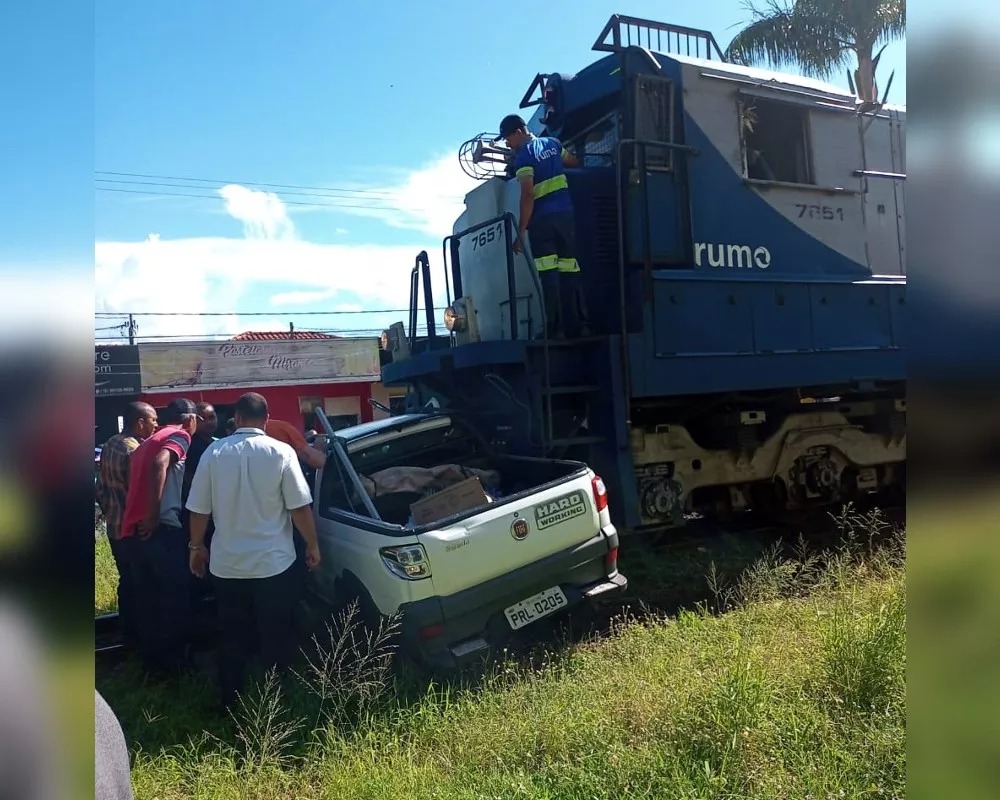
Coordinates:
[537,538]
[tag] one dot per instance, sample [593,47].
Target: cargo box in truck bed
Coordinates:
[415,514]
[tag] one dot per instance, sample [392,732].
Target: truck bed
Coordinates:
[502,477]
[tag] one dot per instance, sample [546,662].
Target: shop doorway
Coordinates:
[225,412]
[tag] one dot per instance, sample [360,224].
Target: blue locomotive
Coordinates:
[741,239]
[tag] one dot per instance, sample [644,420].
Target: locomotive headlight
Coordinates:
[454,317]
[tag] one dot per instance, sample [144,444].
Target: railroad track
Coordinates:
[109,648]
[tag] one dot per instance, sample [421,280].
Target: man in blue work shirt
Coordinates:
[546,215]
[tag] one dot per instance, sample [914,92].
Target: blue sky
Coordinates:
[46,141]
[371,104]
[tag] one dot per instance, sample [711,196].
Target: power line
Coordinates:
[255,183]
[333,331]
[325,195]
[202,336]
[191,337]
[246,313]
[286,202]
[377,203]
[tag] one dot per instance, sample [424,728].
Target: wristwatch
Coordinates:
[193,546]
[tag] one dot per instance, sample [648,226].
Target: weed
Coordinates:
[105,577]
[350,671]
[867,545]
[864,653]
[263,726]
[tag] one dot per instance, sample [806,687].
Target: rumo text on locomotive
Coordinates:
[737,256]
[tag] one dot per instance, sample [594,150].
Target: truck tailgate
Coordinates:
[511,535]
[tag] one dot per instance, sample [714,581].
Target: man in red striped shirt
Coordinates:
[158,546]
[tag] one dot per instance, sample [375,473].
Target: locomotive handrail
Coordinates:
[421,264]
[508,219]
[511,234]
[537,83]
[647,248]
[683,148]
[617,21]
[872,173]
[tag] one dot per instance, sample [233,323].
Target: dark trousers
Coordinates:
[300,555]
[553,246]
[200,587]
[248,606]
[162,583]
[121,551]
[565,305]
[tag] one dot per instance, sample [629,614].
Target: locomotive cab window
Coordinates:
[776,141]
[598,143]
[654,120]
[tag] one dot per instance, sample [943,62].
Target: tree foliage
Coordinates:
[821,37]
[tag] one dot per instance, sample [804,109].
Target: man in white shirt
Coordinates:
[252,487]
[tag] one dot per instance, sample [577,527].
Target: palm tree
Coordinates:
[820,36]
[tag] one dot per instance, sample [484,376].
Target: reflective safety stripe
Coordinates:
[528,172]
[550,185]
[568,265]
[546,263]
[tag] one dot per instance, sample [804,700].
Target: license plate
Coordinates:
[535,607]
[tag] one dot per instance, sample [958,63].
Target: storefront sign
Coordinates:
[116,370]
[218,365]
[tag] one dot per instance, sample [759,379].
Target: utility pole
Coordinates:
[131,330]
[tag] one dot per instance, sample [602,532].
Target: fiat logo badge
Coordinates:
[519,529]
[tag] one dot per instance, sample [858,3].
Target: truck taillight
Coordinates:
[431,631]
[600,492]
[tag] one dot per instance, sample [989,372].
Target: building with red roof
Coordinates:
[297,371]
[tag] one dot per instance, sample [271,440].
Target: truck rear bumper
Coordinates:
[445,632]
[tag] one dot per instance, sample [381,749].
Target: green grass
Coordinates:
[954,610]
[105,578]
[797,690]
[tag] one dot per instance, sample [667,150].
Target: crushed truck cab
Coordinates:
[416,514]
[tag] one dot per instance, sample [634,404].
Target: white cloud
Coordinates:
[262,213]
[200,275]
[301,298]
[428,199]
[208,276]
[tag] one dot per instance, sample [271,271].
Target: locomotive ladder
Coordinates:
[551,443]
[575,352]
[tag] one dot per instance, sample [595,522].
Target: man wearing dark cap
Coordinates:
[159,552]
[201,440]
[546,215]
